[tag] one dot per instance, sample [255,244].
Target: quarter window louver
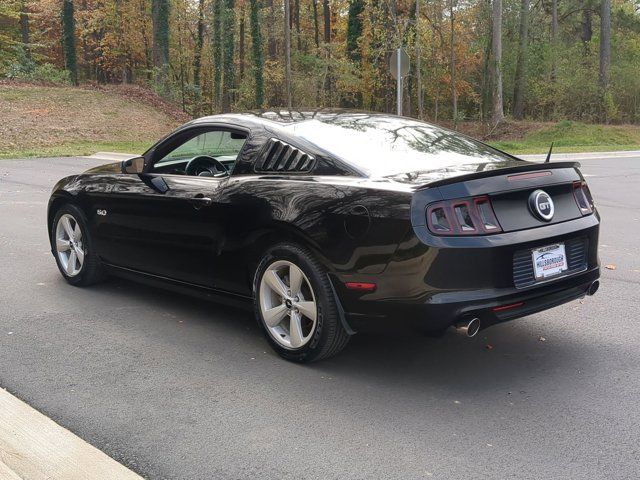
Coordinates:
[279,156]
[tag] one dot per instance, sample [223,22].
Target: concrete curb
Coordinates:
[112,156]
[580,156]
[32,446]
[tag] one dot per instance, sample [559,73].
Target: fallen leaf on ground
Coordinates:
[611,266]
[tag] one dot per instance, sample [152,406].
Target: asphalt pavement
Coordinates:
[174,387]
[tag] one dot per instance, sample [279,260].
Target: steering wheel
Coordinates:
[205,166]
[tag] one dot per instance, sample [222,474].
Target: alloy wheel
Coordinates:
[288,304]
[69,245]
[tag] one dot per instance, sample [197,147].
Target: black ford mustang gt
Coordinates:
[329,220]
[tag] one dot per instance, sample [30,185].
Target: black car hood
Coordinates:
[115,167]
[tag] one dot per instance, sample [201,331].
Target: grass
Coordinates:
[568,136]
[40,121]
[81,148]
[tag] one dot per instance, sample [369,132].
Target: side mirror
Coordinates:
[133,165]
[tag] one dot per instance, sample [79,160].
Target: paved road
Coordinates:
[178,388]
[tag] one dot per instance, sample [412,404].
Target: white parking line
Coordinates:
[34,447]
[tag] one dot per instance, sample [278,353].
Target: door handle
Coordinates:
[200,201]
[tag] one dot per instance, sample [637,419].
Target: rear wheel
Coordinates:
[295,306]
[73,248]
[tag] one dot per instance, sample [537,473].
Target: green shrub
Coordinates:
[39,73]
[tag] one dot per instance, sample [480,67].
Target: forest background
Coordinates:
[485,62]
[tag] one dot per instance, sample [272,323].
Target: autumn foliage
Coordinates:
[215,55]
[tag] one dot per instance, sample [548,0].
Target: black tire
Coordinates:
[91,271]
[329,337]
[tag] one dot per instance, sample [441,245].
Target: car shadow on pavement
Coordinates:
[496,358]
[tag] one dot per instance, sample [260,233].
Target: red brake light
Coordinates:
[474,216]
[583,197]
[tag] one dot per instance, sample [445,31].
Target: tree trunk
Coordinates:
[520,80]
[160,20]
[296,21]
[354,29]
[287,50]
[69,40]
[24,29]
[228,67]
[216,39]
[256,49]
[326,12]
[241,47]
[454,91]
[587,29]
[271,38]
[605,43]
[197,58]
[485,99]
[316,27]
[496,40]
[554,39]
[419,64]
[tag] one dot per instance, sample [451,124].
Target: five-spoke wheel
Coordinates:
[72,246]
[288,304]
[296,305]
[69,244]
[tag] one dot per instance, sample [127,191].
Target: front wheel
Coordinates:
[295,306]
[73,248]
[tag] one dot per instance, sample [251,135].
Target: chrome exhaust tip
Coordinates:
[593,288]
[468,327]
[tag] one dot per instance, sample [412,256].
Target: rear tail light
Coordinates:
[583,197]
[474,216]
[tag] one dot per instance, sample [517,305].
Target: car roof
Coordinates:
[284,117]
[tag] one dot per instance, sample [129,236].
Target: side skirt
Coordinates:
[215,295]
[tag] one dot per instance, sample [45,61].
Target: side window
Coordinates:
[222,145]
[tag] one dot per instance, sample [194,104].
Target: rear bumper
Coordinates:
[436,287]
[491,306]
[520,304]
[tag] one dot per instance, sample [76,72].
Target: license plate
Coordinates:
[549,261]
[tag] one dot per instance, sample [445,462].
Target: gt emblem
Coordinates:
[102,213]
[541,205]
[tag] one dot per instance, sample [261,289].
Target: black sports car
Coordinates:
[329,220]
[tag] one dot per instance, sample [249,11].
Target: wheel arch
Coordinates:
[56,202]
[280,232]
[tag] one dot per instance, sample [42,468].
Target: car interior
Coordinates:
[211,153]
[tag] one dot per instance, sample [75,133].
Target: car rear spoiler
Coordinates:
[526,167]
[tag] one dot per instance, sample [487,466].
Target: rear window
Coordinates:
[384,145]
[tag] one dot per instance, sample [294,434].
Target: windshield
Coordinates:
[386,146]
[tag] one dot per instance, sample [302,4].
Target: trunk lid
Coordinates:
[509,189]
